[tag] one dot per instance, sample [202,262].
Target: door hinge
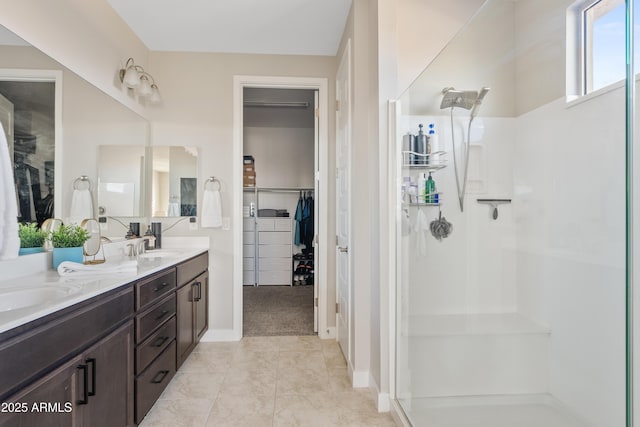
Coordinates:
[315,302]
[336,240]
[317,112]
[337,105]
[337,308]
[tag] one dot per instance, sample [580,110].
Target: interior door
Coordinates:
[316,215]
[343,200]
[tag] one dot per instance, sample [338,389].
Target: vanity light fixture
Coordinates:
[135,77]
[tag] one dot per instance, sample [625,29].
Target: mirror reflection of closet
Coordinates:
[174,183]
[121,180]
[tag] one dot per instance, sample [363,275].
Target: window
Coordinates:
[603,46]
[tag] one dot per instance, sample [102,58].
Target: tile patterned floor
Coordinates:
[265,381]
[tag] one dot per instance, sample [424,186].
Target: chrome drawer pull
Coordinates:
[160,341]
[160,376]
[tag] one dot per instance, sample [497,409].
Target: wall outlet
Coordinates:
[193,223]
[226,223]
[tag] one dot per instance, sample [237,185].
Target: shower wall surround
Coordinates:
[524,314]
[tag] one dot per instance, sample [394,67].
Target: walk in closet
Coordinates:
[279,135]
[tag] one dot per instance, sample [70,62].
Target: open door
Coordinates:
[343,204]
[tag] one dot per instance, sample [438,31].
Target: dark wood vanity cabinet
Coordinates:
[193,304]
[71,368]
[104,361]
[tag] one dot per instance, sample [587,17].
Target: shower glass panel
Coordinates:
[516,315]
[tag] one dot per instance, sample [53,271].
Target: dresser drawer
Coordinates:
[248,237]
[149,321]
[153,381]
[192,268]
[154,288]
[282,224]
[248,224]
[274,238]
[248,277]
[265,224]
[248,251]
[274,278]
[275,264]
[155,344]
[248,264]
[274,251]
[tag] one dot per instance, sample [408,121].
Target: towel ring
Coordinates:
[81,179]
[214,180]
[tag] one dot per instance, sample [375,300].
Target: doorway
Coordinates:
[280,145]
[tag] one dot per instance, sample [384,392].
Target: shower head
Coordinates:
[476,105]
[458,98]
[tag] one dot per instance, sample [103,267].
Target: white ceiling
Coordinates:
[288,27]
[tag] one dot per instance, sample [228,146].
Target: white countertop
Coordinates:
[77,288]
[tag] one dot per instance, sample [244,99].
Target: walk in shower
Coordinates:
[518,315]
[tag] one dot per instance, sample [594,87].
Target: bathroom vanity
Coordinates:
[101,351]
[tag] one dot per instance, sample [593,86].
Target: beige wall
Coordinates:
[197,109]
[86,36]
[423,29]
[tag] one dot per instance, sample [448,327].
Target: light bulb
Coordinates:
[145,87]
[131,77]
[155,95]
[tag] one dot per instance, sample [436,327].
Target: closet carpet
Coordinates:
[277,310]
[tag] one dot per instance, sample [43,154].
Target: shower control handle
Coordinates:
[345,249]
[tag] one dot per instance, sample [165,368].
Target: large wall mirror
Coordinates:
[174,183]
[55,121]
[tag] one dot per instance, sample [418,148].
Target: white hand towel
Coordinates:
[67,268]
[421,228]
[174,209]
[81,206]
[211,216]
[9,240]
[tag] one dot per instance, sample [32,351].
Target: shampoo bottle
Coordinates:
[430,189]
[421,147]
[434,143]
[422,188]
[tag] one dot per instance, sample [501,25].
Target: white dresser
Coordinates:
[249,252]
[274,250]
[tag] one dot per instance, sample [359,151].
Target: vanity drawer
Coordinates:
[152,382]
[153,346]
[192,268]
[154,288]
[148,321]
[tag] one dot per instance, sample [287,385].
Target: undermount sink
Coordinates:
[159,254]
[17,298]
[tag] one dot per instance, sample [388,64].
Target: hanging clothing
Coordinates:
[307,226]
[298,219]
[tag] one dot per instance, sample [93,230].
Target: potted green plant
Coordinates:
[67,244]
[31,238]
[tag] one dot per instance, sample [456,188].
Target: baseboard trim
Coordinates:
[329,333]
[360,379]
[383,401]
[220,335]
